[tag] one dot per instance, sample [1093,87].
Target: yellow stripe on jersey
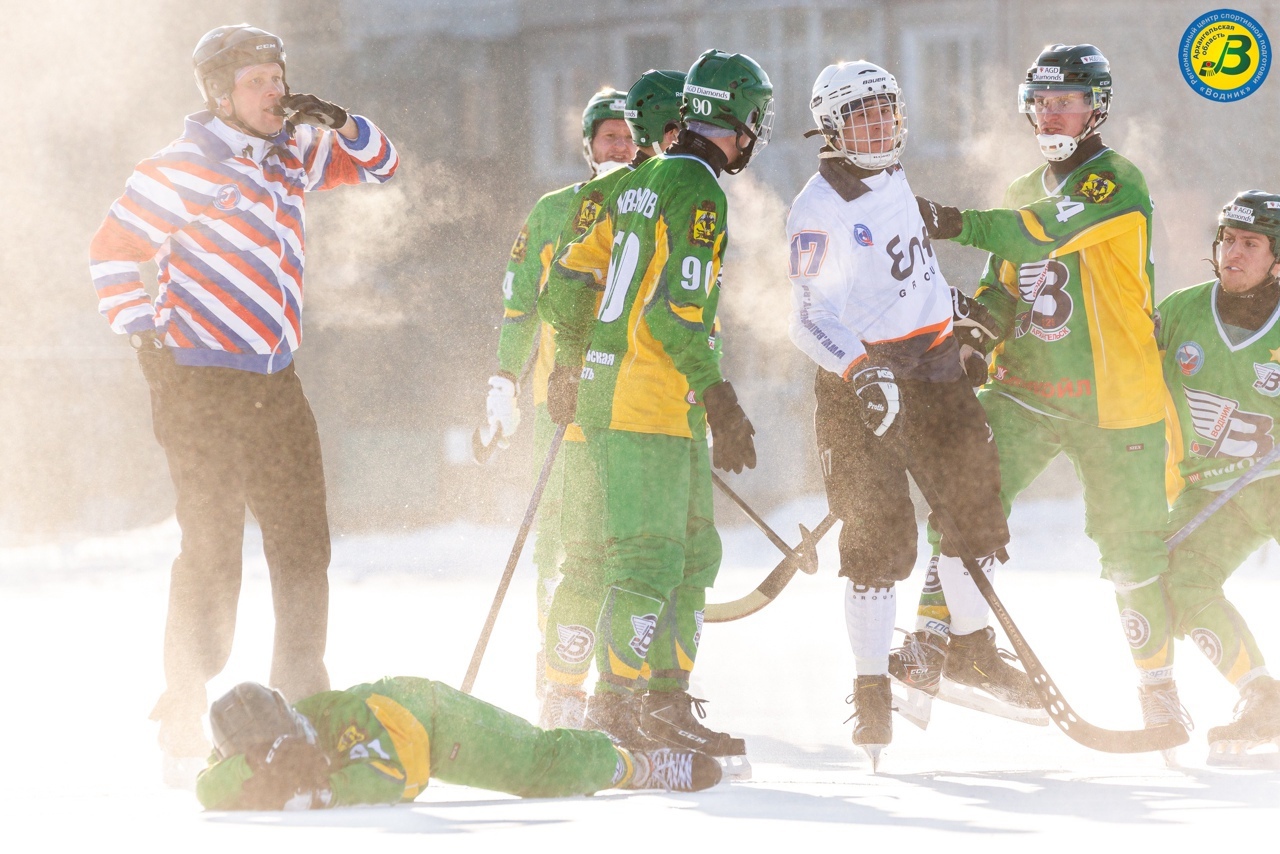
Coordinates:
[1033,226]
[1129,383]
[411,741]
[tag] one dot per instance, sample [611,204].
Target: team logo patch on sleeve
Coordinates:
[1099,187]
[588,211]
[351,736]
[521,246]
[702,229]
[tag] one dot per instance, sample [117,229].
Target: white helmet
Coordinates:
[838,94]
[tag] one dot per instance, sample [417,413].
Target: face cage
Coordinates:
[865,159]
[1099,100]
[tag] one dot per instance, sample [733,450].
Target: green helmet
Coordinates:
[1252,210]
[653,105]
[1061,69]
[730,91]
[608,103]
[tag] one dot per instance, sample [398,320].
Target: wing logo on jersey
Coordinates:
[521,246]
[1190,358]
[1099,187]
[576,643]
[1268,379]
[588,211]
[702,229]
[643,626]
[1043,285]
[1227,430]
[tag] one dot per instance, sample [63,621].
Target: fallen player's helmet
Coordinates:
[1252,210]
[608,103]
[1058,71]
[223,50]
[842,94]
[251,714]
[653,105]
[730,91]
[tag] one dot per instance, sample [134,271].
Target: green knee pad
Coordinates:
[675,642]
[624,635]
[1131,557]
[1147,624]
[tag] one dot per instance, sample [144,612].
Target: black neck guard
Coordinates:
[701,148]
[847,179]
[1251,309]
[1088,147]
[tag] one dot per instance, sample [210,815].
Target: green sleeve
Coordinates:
[573,287]
[218,787]
[519,298]
[367,783]
[1046,226]
[683,307]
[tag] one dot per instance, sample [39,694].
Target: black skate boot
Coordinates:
[618,716]
[916,669]
[563,707]
[978,675]
[1252,739]
[873,707]
[672,769]
[1160,705]
[668,717]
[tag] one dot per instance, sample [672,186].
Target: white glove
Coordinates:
[500,406]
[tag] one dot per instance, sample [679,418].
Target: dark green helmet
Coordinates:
[608,103]
[730,91]
[251,714]
[223,50]
[1077,67]
[1252,210]
[653,105]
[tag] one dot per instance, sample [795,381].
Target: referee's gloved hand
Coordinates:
[732,447]
[310,110]
[877,393]
[940,222]
[975,326]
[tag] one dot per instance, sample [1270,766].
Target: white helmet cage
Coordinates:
[837,95]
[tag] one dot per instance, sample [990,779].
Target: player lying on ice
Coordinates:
[380,742]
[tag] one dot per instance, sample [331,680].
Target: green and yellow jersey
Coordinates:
[655,253]
[1071,273]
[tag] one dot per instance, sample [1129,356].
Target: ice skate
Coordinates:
[1160,705]
[668,717]
[618,716]
[1252,740]
[873,707]
[978,676]
[915,669]
[563,707]
[673,770]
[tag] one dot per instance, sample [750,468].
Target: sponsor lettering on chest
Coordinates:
[641,200]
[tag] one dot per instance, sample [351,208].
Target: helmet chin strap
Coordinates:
[1057,147]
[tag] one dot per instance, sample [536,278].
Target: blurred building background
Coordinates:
[483,99]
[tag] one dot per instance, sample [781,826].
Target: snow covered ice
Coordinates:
[81,625]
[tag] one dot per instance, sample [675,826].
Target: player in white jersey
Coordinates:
[870,306]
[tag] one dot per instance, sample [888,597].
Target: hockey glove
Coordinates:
[562,393]
[310,110]
[501,408]
[877,391]
[975,326]
[732,447]
[282,772]
[975,365]
[940,221]
[154,359]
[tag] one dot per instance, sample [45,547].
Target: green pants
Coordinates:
[1203,562]
[477,744]
[662,552]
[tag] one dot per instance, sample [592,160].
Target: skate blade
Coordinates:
[1244,754]
[873,753]
[180,772]
[1170,758]
[980,701]
[734,767]
[912,703]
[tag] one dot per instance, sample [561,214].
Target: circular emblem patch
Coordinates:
[1137,631]
[1224,55]
[226,197]
[1190,358]
[862,234]
[1209,644]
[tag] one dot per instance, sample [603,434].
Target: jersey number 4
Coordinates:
[809,248]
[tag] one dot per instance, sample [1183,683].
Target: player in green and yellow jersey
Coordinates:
[380,742]
[1069,289]
[653,116]
[525,344]
[644,380]
[1221,346]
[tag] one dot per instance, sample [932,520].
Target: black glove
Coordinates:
[975,326]
[310,110]
[732,447]
[975,365]
[282,770]
[562,393]
[154,358]
[940,221]
[877,391]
